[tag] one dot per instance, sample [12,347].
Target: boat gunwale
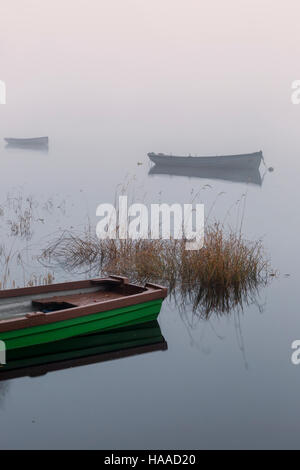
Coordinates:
[150,292]
[237,155]
[27,140]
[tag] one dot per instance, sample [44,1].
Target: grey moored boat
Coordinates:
[247,160]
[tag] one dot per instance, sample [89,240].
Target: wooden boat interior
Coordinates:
[77,295]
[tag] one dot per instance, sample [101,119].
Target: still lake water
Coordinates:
[108,84]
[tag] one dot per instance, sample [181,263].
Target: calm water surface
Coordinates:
[204,79]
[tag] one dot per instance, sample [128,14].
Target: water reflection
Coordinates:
[204,301]
[83,350]
[3,389]
[35,148]
[234,175]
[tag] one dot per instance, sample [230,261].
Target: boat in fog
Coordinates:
[37,143]
[247,160]
[24,142]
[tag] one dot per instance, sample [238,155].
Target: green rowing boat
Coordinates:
[42,314]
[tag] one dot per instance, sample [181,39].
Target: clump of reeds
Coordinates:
[217,277]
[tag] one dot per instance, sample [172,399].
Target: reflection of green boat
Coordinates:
[38,315]
[82,350]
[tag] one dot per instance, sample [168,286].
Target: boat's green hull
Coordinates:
[117,318]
